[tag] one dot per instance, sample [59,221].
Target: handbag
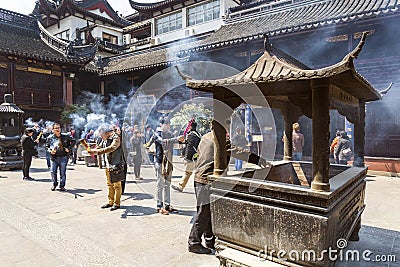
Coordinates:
[117,173]
[152,148]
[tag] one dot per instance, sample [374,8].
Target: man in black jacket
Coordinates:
[192,141]
[59,145]
[28,151]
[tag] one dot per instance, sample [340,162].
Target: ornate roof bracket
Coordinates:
[69,50]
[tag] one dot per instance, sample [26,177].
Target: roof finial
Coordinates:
[183,76]
[384,91]
[267,44]
[360,45]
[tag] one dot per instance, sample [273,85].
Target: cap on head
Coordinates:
[105,129]
[29,130]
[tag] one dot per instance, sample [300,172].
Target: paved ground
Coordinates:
[39,227]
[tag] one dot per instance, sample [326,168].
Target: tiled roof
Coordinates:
[270,69]
[296,17]
[141,60]
[249,4]
[18,41]
[20,36]
[10,107]
[149,7]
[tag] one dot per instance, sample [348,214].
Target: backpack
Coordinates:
[347,153]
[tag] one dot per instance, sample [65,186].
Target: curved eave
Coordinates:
[150,7]
[66,4]
[8,52]
[109,10]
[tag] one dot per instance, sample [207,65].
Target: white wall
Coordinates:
[72,23]
[195,29]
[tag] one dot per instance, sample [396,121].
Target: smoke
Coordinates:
[43,124]
[102,111]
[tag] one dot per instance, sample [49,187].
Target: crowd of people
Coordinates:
[158,144]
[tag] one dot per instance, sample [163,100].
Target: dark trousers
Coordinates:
[26,165]
[137,163]
[202,220]
[123,181]
[74,155]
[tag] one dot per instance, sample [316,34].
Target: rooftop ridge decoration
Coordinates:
[68,5]
[270,69]
[69,50]
[91,4]
[294,19]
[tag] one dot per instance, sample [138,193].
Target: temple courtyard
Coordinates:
[39,227]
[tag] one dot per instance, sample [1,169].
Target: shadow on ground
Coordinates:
[44,180]
[376,247]
[39,170]
[138,196]
[78,192]
[136,211]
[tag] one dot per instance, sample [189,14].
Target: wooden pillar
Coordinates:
[359,136]
[287,137]
[220,153]
[68,96]
[320,134]
[223,109]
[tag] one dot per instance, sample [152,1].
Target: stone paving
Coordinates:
[39,227]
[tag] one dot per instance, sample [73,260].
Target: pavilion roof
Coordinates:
[10,108]
[272,70]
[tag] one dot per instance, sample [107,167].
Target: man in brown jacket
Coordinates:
[204,167]
[111,145]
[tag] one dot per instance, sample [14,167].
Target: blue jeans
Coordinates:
[48,159]
[297,156]
[62,164]
[238,164]
[151,158]
[163,186]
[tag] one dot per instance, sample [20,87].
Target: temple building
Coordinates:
[37,68]
[157,35]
